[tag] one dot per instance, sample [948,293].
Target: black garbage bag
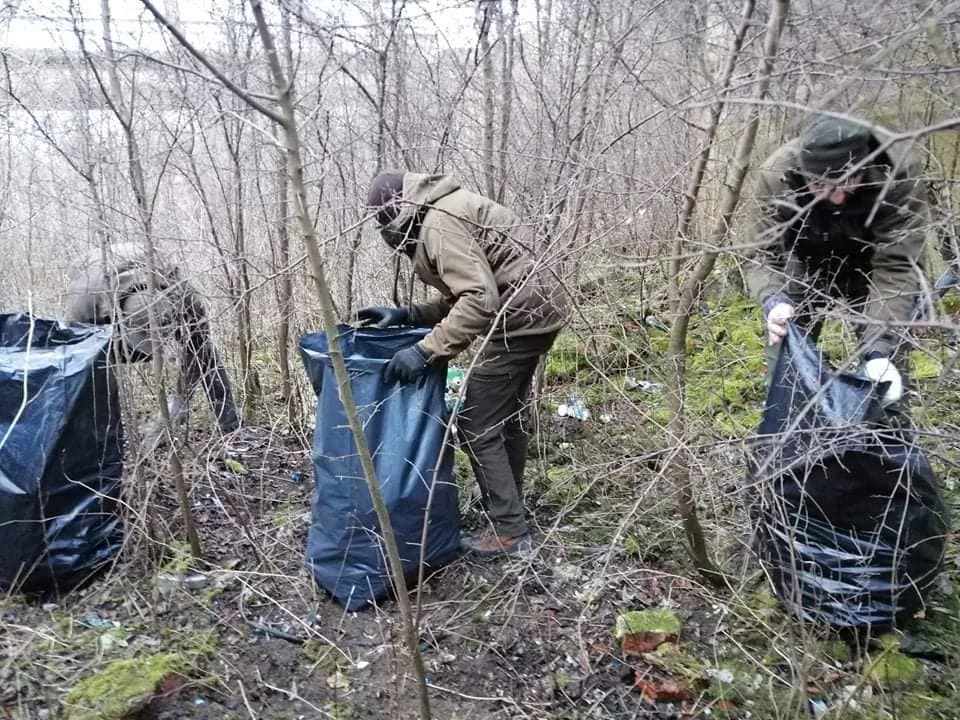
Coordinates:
[851,525]
[405,428]
[61,454]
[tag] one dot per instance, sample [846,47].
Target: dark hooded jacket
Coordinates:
[869,250]
[478,255]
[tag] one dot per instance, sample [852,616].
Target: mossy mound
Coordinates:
[121,687]
[655,620]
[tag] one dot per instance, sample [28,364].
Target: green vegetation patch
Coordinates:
[121,687]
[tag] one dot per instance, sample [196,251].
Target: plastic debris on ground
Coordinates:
[453,394]
[575,407]
[631,383]
[655,322]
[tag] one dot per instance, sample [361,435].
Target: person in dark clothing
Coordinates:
[840,215]
[118,292]
[474,251]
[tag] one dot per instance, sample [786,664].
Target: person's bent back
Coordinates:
[119,291]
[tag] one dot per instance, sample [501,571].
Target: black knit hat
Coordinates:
[384,196]
[829,146]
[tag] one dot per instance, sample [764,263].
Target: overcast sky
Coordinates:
[46,24]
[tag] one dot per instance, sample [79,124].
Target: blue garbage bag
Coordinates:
[404,427]
[61,454]
[851,526]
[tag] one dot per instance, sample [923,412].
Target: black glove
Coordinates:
[384,317]
[407,365]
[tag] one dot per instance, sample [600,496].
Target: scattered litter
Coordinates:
[92,620]
[361,665]
[204,502]
[606,418]
[338,681]
[169,582]
[818,708]
[575,408]
[108,641]
[49,607]
[453,395]
[655,322]
[296,477]
[720,675]
[631,383]
[567,573]
[272,631]
[196,581]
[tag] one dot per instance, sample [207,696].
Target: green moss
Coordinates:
[763,599]
[284,515]
[632,545]
[892,668]
[121,687]
[461,465]
[950,304]
[778,700]
[563,486]
[659,415]
[924,366]
[200,643]
[179,558]
[923,706]
[338,711]
[726,367]
[837,650]
[564,360]
[655,620]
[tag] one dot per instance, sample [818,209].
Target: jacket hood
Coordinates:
[420,189]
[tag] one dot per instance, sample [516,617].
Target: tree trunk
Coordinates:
[685,292]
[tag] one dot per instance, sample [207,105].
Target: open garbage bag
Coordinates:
[61,453]
[852,528]
[405,426]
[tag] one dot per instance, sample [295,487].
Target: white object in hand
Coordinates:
[777,322]
[882,370]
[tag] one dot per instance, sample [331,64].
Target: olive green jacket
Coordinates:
[119,292]
[897,227]
[478,255]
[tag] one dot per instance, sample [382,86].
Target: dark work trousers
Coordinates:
[494,425]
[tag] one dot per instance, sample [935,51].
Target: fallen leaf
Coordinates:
[338,681]
[665,691]
[644,642]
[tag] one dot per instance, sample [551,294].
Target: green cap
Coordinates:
[829,146]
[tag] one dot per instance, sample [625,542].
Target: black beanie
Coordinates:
[829,146]
[385,192]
